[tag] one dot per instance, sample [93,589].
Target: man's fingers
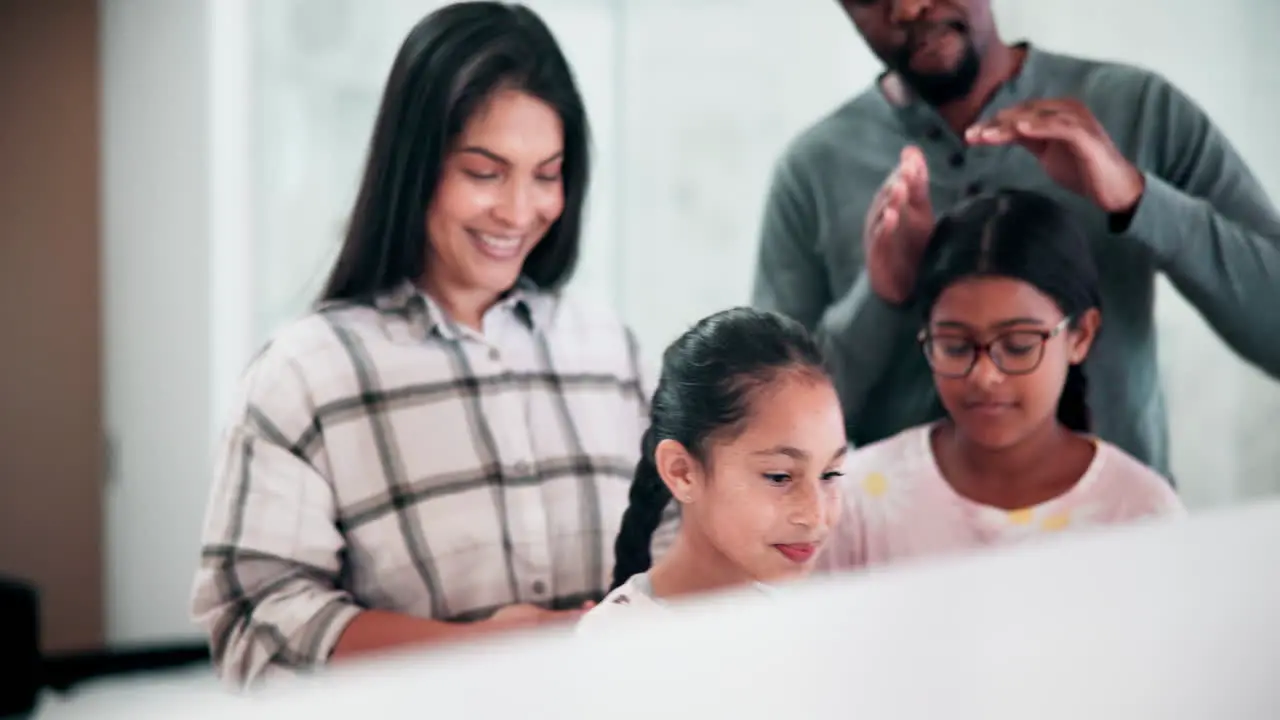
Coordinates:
[999,128]
[915,177]
[917,194]
[897,195]
[990,134]
[878,202]
[1031,132]
[1052,127]
[874,229]
[911,159]
[1049,119]
[908,184]
[888,222]
[892,194]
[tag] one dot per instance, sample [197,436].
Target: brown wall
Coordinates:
[51,448]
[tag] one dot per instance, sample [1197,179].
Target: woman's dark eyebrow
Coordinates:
[484,152]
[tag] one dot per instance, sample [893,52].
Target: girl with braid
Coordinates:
[1009,297]
[747,436]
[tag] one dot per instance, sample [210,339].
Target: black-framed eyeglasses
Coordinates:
[1017,352]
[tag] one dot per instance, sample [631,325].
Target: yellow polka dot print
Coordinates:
[875,484]
[1021,517]
[1057,521]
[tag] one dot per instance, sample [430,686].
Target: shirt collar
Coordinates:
[425,317]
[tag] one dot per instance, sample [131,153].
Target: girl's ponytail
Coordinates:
[648,498]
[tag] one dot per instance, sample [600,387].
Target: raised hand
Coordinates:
[1072,147]
[897,228]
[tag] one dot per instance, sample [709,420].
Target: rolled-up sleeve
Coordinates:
[268,591]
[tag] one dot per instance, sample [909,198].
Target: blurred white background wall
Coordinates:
[234,131]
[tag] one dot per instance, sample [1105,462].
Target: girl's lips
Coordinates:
[797,552]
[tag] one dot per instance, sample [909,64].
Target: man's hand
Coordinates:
[897,228]
[1072,147]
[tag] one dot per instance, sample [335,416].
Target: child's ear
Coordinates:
[679,469]
[1083,333]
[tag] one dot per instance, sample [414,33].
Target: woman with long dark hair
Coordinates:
[443,448]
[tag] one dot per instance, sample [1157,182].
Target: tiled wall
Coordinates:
[691,102]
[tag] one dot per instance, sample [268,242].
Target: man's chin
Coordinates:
[940,85]
[940,88]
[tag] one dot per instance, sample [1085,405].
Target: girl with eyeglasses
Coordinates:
[1009,298]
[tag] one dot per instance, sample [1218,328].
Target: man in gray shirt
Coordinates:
[958,111]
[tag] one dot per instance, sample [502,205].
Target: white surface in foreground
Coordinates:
[123,697]
[1165,621]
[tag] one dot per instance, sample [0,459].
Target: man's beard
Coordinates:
[939,88]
